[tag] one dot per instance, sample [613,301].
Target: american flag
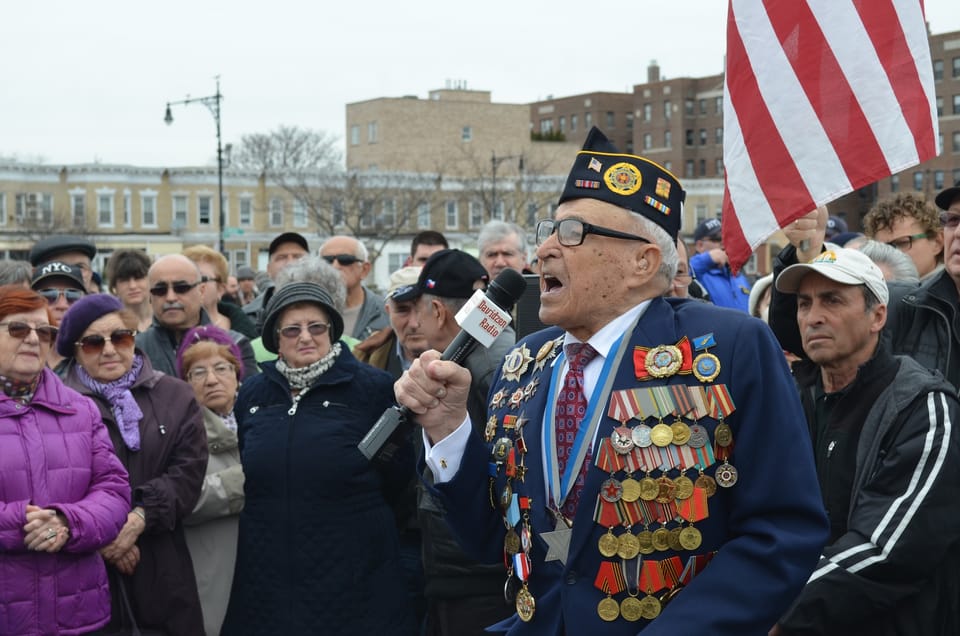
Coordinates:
[821,97]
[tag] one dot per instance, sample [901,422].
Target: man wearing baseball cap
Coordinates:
[61,284]
[72,250]
[711,269]
[284,249]
[887,457]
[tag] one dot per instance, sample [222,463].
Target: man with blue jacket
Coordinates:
[711,269]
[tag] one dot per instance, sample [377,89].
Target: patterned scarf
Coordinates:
[304,377]
[18,389]
[125,409]
[230,421]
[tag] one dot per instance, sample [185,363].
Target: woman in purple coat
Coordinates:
[63,492]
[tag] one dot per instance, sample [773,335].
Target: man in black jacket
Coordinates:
[888,460]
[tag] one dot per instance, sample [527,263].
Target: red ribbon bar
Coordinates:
[606,514]
[610,579]
[671,569]
[524,503]
[651,577]
[694,508]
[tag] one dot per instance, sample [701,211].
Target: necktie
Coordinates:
[571,407]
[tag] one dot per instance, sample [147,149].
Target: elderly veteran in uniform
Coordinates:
[699,510]
[318,547]
[888,458]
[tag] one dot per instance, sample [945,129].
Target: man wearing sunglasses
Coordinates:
[176,296]
[284,249]
[364,313]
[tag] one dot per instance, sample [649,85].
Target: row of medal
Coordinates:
[642,580]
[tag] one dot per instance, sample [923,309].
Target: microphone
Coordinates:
[482,319]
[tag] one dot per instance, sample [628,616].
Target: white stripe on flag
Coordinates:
[910,12]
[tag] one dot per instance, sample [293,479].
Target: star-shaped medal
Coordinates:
[558,542]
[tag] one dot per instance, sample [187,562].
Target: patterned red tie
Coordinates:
[571,407]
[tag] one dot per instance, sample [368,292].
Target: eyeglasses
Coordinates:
[20,330]
[95,343]
[180,288]
[314,329]
[208,279]
[53,295]
[571,232]
[343,259]
[221,370]
[904,243]
[949,221]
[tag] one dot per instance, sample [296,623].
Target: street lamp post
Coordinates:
[494,162]
[212,102]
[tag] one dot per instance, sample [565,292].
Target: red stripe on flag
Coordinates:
[825,85]
[734,242]
[886,33]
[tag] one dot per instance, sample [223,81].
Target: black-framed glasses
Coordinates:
[53,295]
[314,329]
[221,370]
[180,288]
[209,279]
[571,232]
[342,259]
[904,243]
[20,330]
[119,338]
[950,221]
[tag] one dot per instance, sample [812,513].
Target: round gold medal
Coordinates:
[708,484]
[684,487]
[723,434]
[511,542]
[661,539]
[666,490]
[608,609]
[649,489]
[631,490]
[690,538]
[628,546]
[631,609]
[608,544]
[649,607]
[706,367]
[645,542]
[663,361]
[681,432]
[661,435]
[526,605]
[675,544]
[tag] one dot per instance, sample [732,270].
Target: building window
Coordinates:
[688,106]
[338,212]
[718,105]
[938,179]
[703,106]
[703,167]
[78,208]
[389,213]
[956,175]
[629,146]
[956,141]
[939,106]
[688,168]
[703,136]
[396,260]
[105,209]
[667,139]
[647,112]
[688,139]
[466,133]
[239,258]
[667,109]
[476,214]
[276,212]
[532,209]
[629,121]
[354,135]
[700,213]
[423,216]
[895,183]
[546,126]
[588,120]
[372,132]
[246,210]
[938,69]
[573,123]
[563,124]
[610,119]
[956,67]
[668,165]
[718,167]
[497,214]
[148,209]
[299,213]
[3,208]
[918,180]
[179,211]
[956,104]
[366,214]
[718,136]
[647,141]
[204,208]
[452,218]
[34,208]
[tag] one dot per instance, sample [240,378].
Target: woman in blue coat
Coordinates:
[318,544]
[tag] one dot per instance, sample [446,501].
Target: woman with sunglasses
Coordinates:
[318,547]
[64,492]
[156,428]
[209,360]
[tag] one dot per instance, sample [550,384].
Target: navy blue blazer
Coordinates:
[766,531]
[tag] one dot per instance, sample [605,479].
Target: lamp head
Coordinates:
[168,118]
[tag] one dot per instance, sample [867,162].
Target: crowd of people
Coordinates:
[682,450]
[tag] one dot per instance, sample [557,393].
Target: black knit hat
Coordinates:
[602,172]
[292,294]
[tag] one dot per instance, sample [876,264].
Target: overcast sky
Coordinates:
[88,81]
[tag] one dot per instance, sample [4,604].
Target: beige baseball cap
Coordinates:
[402,280]
[850,267]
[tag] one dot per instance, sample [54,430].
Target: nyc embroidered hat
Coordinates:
[602,172]
[849,267]
[707,228]
[60,271]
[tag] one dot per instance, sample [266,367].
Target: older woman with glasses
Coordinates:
[63,492]
[318,545]
[210,361]
[156,428]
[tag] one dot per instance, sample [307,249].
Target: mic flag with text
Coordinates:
[821,97]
